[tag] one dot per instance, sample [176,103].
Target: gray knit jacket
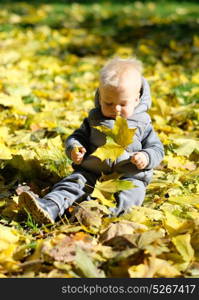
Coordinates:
[145,140]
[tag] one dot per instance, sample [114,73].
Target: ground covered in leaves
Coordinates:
[50,58]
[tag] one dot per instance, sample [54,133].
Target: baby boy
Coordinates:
[122,91]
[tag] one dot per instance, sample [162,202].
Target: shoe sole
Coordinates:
[27,201]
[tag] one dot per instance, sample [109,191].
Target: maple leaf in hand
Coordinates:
[117,139]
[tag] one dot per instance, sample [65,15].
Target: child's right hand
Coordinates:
[77,154]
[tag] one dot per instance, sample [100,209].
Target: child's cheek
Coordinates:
[127,113]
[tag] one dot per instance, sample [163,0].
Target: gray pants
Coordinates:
[78,186]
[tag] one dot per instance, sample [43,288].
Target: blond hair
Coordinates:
[111,73]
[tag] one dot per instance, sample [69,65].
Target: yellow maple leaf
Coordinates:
[105,198]
[196,41]
[195,78]
[104,191]
[10,101]
[117,139]
[183,245]
[154,266]
[110,150]
[179,162]
[4,133]
[5,152]
[185,145]
[9,238]
[174,224]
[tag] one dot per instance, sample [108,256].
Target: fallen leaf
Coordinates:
[155,267]
[63,248]
[192,199]
[185,145]
[104,190]
[149,237]
[183,246]
[119,229]
[175,225]
[86,265]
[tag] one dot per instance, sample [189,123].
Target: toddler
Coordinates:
[122,91]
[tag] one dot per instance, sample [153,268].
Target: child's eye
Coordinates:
[108,104]
[123,104]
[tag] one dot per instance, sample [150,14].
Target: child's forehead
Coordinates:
[123,87]
[119,95]
[129,78]
[115,90]
[132,77]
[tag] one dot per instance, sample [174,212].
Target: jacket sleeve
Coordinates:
[79,138]
[152,145]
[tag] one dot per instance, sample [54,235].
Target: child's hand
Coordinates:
[77,154]
[139,159]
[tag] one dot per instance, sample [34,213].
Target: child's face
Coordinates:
[119,101]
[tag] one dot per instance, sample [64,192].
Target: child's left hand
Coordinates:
[140,160]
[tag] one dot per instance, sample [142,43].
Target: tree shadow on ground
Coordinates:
[18,175]
[18,171]
[114,30]
[38,2]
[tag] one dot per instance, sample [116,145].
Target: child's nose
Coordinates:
[118,108]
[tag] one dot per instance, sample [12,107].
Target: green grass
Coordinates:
[31,223]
